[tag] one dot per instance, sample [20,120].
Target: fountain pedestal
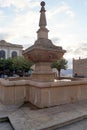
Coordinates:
[43,72]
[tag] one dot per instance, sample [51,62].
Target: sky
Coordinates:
[66,22]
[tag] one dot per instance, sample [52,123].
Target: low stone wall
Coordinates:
[42,94]
[56,93]
[12,92]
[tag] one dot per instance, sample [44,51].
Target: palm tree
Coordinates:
[60,64]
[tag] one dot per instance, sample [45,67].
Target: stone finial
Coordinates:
[43,31]
[42,22]
[42,3]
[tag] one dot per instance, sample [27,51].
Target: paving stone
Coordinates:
[26,118]
[5,126]
[81,125]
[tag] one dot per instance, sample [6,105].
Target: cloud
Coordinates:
[5,3]
[24,25]
[70,13]
[63,8]
[81,49]
[19,4]
[3,36]
[55,40]
[1,14]
[21,26]
[62,22]
[77,50]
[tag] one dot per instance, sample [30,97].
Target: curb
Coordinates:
[66,123]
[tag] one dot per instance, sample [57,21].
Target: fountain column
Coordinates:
[43,71]
[43,52]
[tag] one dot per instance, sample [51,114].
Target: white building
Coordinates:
[8,50]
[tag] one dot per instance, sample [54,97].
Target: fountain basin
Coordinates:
[42,94]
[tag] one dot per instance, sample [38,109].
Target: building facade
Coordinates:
[80,67]
[8,50]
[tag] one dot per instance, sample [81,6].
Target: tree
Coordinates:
[21,65]
[9,67]
[59,65]
[6,67]
[2,66]
[17,65]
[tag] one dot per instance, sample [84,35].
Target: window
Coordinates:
[2,54]
[14,54]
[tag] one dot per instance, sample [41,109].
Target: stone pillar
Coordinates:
[43,72]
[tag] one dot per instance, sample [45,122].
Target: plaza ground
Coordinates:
[28,117]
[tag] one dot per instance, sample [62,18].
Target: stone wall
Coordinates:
[12,92]
[52,94]
[80,67]
[42,94]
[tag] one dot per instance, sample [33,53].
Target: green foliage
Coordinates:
[14,65]
[9,64]
[21,64]
[2,64]
[60,64]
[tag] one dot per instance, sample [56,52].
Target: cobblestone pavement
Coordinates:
[5,111]
[5,126]
[27,118]
[80,125]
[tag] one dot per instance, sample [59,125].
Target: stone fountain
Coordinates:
[40,89]
[43,52]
